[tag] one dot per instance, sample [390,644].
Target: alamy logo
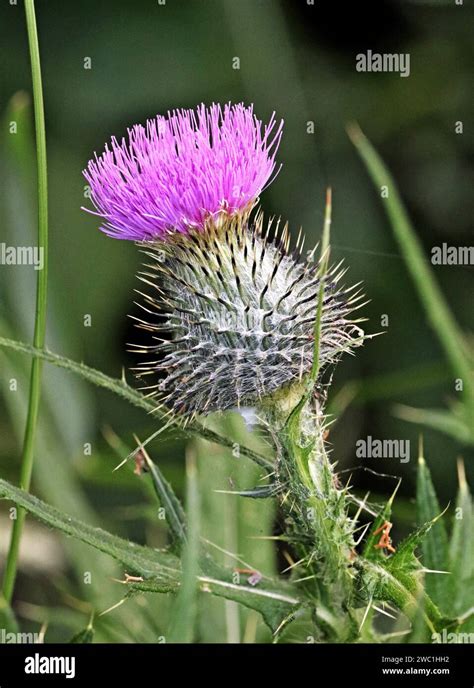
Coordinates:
[10,638]
[369,448]
[383,62]
[453,638]
[50,665]
[452,255]
[22,255]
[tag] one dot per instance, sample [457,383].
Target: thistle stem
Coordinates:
[316,513]
[41,294]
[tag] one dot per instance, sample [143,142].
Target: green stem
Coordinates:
[326,236]
[323,269]
[41,294]
[295,415]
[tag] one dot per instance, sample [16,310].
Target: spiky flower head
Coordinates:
[179,171]
[240,310]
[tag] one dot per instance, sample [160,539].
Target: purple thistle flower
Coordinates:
[182,169]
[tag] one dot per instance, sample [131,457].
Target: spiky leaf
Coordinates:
[404,560]
[160,570]
[461,552]
[404,590]
[434,545]
[139,560]
[174,512]
[123,390]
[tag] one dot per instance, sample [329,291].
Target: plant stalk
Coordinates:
[41,300]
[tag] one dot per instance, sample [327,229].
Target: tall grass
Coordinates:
[41,300]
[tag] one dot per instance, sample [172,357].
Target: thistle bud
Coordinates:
[240,311]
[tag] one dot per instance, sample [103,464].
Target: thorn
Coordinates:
[365,614]
[288,558]
[423,570]
[122,463]
[382,611]
[111,609]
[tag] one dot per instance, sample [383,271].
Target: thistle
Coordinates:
[244,315]
[250,322]
[238,306]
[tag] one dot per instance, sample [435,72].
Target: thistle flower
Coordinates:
[241,310]
[181,170]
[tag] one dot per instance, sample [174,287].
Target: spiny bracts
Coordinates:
[240,309]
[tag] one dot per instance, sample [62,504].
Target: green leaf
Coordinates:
[435,543]
[123,390]
[404,560]
[174,513]
[275,602]
[184,611]
[404,590]
[461,552]
[161,571]
[140,560]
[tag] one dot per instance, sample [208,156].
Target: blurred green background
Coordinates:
[298,60]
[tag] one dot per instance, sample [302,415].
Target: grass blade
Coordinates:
[453,422]
[41,295]
[185,607]
[434,303]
